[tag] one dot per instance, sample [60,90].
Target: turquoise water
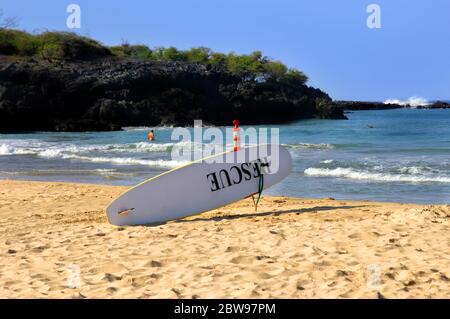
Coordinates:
[400,155]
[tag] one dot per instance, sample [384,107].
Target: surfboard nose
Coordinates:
[118,216]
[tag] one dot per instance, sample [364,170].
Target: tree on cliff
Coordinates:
[138,51]
[199,55]
[295,77]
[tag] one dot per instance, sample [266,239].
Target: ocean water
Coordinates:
[400,155]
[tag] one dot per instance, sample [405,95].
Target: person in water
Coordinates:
[151,136]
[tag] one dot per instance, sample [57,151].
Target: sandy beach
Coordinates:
[56,243]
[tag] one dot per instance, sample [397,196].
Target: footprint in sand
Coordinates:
[354,236]
[232,249]
[111,290]
[264,275]
[111,277]
[40,249]
[154,263]
[155,276]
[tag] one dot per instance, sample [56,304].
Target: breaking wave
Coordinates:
[351,173]
[140,147]
[10,150]
[112,160]
[413,101]
[320,146]
[129,161]
[102,152]
[68,171]
[146,128]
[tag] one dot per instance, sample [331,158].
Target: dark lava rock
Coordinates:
[363,106]
[358,105]
[109,93]
[436,105]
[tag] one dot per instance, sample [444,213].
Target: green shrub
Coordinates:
[13,42]
[169,54]
[132,51]
[295,77]
[248,66]
[61,45]
[119,51]
[140,52]
[274,69]
[218,59]
[51,52]
[71,46]
[53,46]
[199,55]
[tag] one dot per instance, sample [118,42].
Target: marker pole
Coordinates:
[236,145]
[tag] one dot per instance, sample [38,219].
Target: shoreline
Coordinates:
[290,248]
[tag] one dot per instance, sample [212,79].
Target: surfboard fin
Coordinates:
[260,186]
[125,212]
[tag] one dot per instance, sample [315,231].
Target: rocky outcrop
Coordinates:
[106,94]
[436,105]
[362,106]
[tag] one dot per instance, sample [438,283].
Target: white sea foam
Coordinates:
[129,147]
[112,160]
[22,147]
[413,101]
[104,151]
[414,170]
[49,153]
[109,172]
[351,173]
[128,161]
[309,146]
[329,161]
[105,170]
[6,149]
[146,128]
[55,150]
[164,147]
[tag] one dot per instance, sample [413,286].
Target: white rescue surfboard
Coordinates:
[200,186]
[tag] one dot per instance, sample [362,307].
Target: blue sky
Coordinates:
[327,39]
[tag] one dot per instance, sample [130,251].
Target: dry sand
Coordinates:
[290,248]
